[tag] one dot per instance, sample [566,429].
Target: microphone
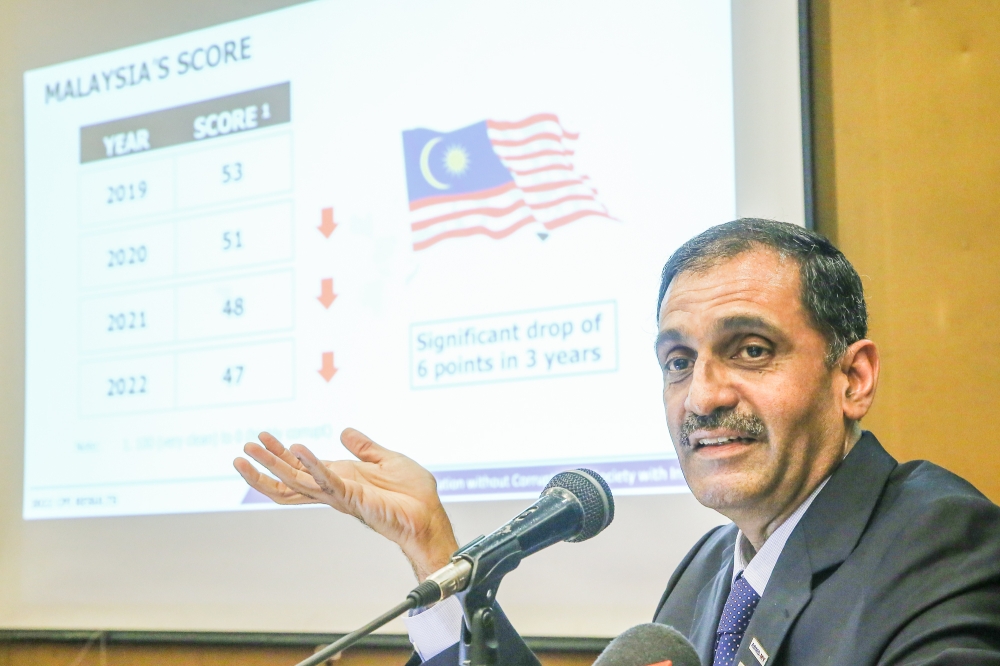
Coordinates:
[574,506]
[649,645]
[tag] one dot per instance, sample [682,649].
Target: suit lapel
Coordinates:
[827,534]
[834,523]
[709,607]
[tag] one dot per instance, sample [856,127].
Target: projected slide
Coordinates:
[441,223]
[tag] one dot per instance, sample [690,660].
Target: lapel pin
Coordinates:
[758,651]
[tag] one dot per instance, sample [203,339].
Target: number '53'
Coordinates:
[232,172]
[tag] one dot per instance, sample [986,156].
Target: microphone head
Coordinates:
[649,645]
[594,496]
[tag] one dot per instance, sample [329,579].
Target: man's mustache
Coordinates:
[748,425]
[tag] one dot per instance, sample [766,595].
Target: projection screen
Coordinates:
[441,223]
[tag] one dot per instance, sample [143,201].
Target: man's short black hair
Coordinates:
[832,293]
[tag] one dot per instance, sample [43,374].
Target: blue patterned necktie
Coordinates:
[735,618]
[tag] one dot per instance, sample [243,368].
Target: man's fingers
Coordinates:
[363,447]
[272,444]
[296,478]
[329,482]
[264,484]
[302,477]
[260,454]
[247,471]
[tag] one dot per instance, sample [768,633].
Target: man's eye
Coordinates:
[755,351]
[678,364]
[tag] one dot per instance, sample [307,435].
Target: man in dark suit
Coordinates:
[836,554]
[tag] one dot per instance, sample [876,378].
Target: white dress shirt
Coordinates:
[757,567]
[435,629]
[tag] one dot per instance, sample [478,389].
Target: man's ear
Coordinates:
[860,365]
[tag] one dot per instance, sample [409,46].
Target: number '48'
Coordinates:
[233,307]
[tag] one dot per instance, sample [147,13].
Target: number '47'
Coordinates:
[233,374]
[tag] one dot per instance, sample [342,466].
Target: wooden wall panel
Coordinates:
[908,92]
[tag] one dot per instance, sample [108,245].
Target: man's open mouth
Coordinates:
[720,441]
[721,429]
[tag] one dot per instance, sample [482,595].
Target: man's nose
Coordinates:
[710,389]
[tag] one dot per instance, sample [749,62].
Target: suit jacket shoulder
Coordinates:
[698,589]
[935,544]
[719,542]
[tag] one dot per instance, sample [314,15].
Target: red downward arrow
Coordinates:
[328,371]
[326,295]
[327,226]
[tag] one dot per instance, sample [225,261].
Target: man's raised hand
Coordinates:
[387,491]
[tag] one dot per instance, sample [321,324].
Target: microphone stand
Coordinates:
[479,646]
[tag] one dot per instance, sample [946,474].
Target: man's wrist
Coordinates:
[433,552]
[424,564]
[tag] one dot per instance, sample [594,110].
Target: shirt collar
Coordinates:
[757,568]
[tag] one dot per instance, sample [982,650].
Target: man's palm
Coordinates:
[387,491]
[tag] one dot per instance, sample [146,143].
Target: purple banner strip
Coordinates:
[657,474]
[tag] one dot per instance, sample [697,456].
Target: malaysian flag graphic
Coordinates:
[493,178]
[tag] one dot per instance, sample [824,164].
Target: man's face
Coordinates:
[750,402]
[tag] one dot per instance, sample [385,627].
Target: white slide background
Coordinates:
[650,90]
[648,87]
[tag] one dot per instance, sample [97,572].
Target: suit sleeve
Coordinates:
[960,631]
[512,650]
[951,580]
